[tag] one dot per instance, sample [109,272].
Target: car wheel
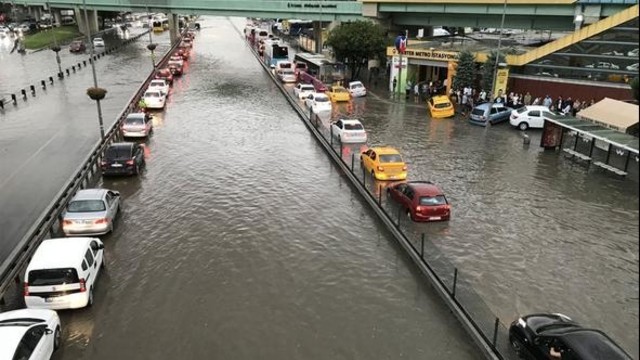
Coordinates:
[57,339]
[523,126]
[90,301]
[517,348]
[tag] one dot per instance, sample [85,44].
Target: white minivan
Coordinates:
[62,273]
[530,116]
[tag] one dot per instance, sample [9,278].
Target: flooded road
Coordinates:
[43,142]
[241,241]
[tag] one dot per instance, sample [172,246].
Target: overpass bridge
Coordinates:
[522,14]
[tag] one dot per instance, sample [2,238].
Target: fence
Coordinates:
[486,329]
[31,89]
[47,223]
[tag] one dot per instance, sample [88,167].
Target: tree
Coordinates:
[635,88]
[488,70]
[354,43]
[465,70]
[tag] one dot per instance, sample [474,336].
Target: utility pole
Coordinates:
[399,82]
[495,66]
[93,66]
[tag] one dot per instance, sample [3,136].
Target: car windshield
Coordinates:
[157,83]
[86,206]
[353,127]
[307,88]
[134,121]
[152,94]
[288,72]
[521,110]
[433,200]
[478,111]
[322,99]
[339,90]
[119,152]
[52,277]
[390,158]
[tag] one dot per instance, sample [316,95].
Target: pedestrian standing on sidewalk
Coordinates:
[527,99]
[395,83]
[407,89]
[416,93]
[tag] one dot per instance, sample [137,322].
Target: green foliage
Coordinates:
[44,38]
[357,42]
[488,70]
[635,88]
[465,70]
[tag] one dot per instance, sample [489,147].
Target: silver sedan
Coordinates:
[91,212]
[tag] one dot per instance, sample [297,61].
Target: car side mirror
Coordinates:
[48,331]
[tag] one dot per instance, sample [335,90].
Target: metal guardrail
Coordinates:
[44,226]
[485,339]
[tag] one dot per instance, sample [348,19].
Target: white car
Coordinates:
[303,90]
[30,334]
[286,75]
[349,131]
[318,102]
[613,53]
[154,99]
[603,65]
[530,116]
[98,42]
[159,85]
[357,89]
[91,212]
[633,67]
[634,52]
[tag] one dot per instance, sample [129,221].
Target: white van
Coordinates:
[62,273]
[357,89]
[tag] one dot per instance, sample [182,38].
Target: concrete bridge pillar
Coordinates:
[92,16]
[317,36]
[57,16]
[173,28]
[36,12]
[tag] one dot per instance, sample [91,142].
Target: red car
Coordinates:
[422,200]
[184,52]
[165,74]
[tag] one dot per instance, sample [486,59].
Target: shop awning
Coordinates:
[612,114]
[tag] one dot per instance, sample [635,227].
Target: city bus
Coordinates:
[275,53]
[320,67]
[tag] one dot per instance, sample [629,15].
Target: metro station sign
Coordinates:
[425,54]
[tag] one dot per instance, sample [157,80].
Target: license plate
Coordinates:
[116,165]
[87,222]
[435,218]
[49,299]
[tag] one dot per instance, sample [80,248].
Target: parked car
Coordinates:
[357,89]
[633,67]
[603,65]
[634,52]
[421,200]
[486,112]
[613,53]
[77,46]
[286,75]
[183,52]
[165,74]
[338,93]
[98,42]
[91,212]
[137,125]
[159,85]
[23,28]
[349,131]
[298,67]
[177,58]
[318,102]
[533,337]
[30,334]
[125,158]
[440,107]
[186,42]
[530,116]
[302,90]
[155,99]
[62,273]
[176,67]
[383,163]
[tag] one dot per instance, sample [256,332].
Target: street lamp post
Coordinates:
[495,66]
[151,45]
[93,67]
[56,48]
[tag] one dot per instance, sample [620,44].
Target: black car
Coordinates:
[125,158]
[537,336]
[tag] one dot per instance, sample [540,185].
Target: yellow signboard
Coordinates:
[501,82]
[425,54]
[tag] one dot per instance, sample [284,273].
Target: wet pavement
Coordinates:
[242,240]
[44,142]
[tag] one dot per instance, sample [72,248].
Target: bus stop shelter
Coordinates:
[594,143]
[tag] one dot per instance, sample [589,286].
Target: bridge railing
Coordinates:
[47,224]
[489,333]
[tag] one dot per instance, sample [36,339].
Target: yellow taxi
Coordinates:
[440,107]
[383,163]
[338,93]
